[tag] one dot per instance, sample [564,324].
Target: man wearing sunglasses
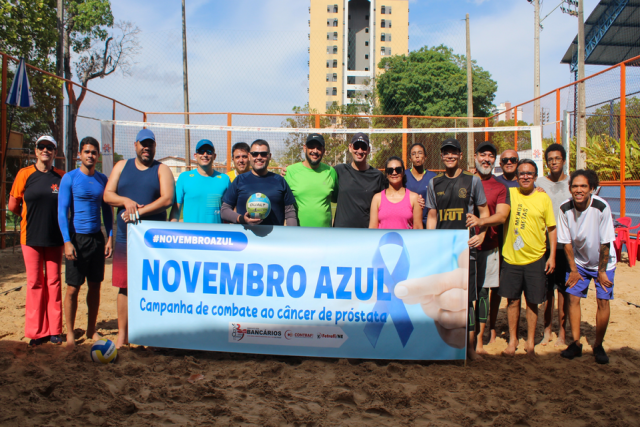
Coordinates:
[524,268]
[358,182]
[313,183]
[509,162]
[240,154]
[141,188]
[259,180]
[199,192]
[556,185]
[452,195]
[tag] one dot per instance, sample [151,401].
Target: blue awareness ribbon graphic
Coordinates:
[395,307]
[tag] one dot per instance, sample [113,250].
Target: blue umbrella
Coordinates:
[19,96]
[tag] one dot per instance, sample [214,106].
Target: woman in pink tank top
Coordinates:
[395,208]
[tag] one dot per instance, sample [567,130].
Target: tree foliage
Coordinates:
[433,82]
[506,140]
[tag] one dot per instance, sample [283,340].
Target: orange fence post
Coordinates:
[317,121]
[486,124]
[3,149]
[558,118]
[623,137]
[404,140]
[229,154]
[515,122]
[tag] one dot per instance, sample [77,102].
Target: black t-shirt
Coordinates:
[355,192]
[38,192]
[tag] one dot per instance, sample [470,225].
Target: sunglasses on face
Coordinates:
[202,151]
[506,160]
[360,145]
[397,169]
[49,147]
[264,154]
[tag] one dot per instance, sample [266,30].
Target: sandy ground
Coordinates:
[53,386]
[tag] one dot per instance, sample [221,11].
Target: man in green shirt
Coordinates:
[312,184]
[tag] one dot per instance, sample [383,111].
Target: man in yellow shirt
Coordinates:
[240,155]
[524,268]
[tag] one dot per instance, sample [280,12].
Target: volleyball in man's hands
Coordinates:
[104,351]
[258,206]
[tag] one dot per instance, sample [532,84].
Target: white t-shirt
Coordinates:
[586,231]
[557,191]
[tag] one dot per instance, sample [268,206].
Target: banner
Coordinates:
[355,293]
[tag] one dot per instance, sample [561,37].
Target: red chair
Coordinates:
[632,250]
[622,235]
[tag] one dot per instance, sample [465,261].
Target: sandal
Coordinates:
[55,339]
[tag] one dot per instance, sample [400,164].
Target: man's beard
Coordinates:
[483,170]
[313,162]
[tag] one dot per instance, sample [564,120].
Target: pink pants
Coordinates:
[44,296]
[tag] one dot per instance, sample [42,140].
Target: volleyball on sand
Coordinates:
[258,206]
[104,351]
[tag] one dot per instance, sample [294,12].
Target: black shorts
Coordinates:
[473,275]
[90,260]
[530,278]
[558,279]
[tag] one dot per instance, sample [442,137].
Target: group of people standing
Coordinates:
[64,213]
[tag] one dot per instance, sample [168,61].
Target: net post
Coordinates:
[623,137]
[486,124]
[229,154]
[404,140]
[515,123]
[317,121]
[3,149]
[113,128]
[144,118]
[558,127]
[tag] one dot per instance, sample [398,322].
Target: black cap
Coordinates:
[487,145]
[450,142]
[360,137]
[315,137]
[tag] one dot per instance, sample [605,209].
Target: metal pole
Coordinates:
[536,63]
[3,146]
[185,79]
[404,140]
[229,153]
[60,71]
[623,138]
[581,155]
[558,118]
[470,145]
[68,144]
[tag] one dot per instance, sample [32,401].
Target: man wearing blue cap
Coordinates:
[141,188]
[200,191]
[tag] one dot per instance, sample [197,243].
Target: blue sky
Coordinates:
[261,69]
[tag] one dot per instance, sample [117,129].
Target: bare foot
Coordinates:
[560,342]
[510,350]
[71,340]
[492,333]
[480,349]
[546,339]
[531,351]
[95,336]
[120,341]
[472,355]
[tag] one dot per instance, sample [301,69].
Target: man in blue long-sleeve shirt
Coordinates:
[85,250]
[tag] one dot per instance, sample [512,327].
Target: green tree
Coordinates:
[603,121]
[433,82]
[506,140]
[99,52]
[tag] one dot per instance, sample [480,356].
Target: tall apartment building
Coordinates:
[347,39]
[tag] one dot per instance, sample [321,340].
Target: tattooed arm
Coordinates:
[602,265]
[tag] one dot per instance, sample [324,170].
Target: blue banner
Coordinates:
[356,293]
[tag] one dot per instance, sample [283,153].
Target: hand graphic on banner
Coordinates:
[444,298]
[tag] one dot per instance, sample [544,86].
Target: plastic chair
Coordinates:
[632,250]
[622,235]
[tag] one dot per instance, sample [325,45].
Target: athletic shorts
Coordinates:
[580,289]
[89,263]
[557,279]
[119,276]
[488,269]
[530,279]
[473,276]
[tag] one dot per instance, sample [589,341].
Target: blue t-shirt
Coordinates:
[82,194]
[509,184]
[201,196]
[420,187]
[272,185]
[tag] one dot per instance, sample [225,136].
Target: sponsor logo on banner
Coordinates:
[306,336]
[195,239]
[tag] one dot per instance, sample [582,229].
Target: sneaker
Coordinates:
[574,350]
[601,355]
[38,341]
[55,339]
